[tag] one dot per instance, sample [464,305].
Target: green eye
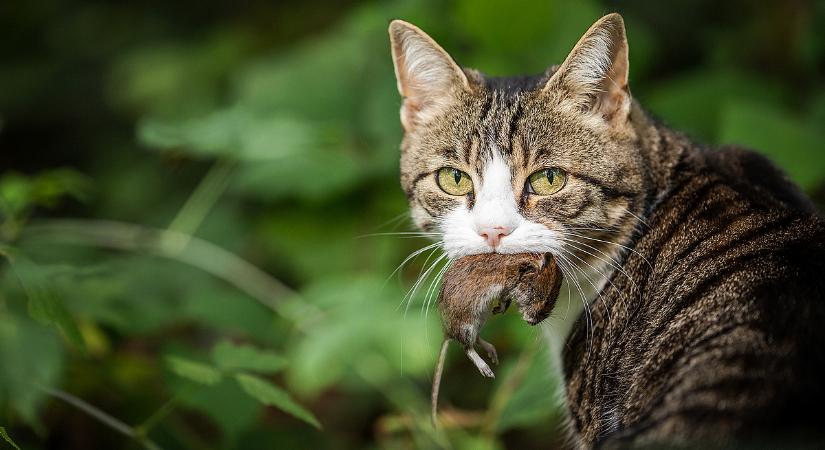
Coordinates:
[454,181]
[546,181]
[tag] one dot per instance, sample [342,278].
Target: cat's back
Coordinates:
[716,329]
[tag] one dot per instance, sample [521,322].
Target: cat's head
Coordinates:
[528,164]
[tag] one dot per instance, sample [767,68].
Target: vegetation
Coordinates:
[194,201]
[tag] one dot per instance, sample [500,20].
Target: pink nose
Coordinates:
[493,235]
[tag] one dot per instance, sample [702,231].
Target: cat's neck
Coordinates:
[660,147]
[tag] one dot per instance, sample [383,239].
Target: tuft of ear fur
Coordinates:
[594,75]
[427,76]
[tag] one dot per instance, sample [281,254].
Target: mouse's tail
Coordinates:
[439,370]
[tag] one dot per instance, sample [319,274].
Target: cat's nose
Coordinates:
[493,235]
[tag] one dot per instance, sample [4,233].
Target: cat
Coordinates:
[708,326]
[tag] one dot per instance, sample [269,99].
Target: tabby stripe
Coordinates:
[448,153]
[698,196]
[429,211]
[706,413]
[586,204]
[739,263]
[513,126]
[608,191]
[485,109]
[415,181]
[666,366]
[735,241]
[468,148]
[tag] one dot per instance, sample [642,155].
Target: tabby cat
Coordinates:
[708,326]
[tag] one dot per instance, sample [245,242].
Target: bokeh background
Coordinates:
[194,197]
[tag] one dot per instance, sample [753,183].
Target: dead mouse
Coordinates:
[474,283]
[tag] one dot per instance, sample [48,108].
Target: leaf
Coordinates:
[19,193]
[45,300]
[228,406]
[326,356]
[528,403]
[14,194]
[21,339]
[7,438]
[272,395]
[194,371]
[693,103]
[229,356]
[797,148]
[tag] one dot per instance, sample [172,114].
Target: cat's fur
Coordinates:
[709,327]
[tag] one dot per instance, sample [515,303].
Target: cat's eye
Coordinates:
[546,181]
[454,181]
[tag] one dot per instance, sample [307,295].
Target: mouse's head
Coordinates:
[537,288]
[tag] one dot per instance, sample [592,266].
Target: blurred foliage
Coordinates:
[225,281]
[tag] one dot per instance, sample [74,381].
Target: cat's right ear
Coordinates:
[594,75]
[428,78]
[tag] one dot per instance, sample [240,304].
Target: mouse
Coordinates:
[476,286]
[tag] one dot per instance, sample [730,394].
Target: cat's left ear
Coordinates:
[594,75]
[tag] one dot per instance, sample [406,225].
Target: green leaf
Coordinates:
[45,300]
[19,193]
[528,403]
[774,132]
[21,339]
[228,406]
[14,194]
[194,371]
[694,102]
[229,356]
[272,395]
[324,357]
[7,438]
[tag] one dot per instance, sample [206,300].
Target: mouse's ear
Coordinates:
[546,259]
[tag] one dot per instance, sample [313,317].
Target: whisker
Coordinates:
[405,234]
[417,279]
[600,230]
[395,221]
[616,244]
[430,294]
[566,266]
[637,217]
[421,279]
[412,256]
[589,280]
[609,261]
[607,278]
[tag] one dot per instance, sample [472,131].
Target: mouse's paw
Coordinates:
[486,371]
[490,349]
[502,305]
[482,366]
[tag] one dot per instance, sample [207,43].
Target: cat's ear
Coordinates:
[594,75]
[427,76]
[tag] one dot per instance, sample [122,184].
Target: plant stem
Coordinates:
[508,387]
[200,202]
[160,413]
[103,417]
[197,252]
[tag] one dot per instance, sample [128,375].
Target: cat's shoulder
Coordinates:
[753,176]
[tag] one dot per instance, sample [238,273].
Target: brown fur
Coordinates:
[709,329]
[470,287]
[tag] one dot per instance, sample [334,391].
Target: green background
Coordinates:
[193,196]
